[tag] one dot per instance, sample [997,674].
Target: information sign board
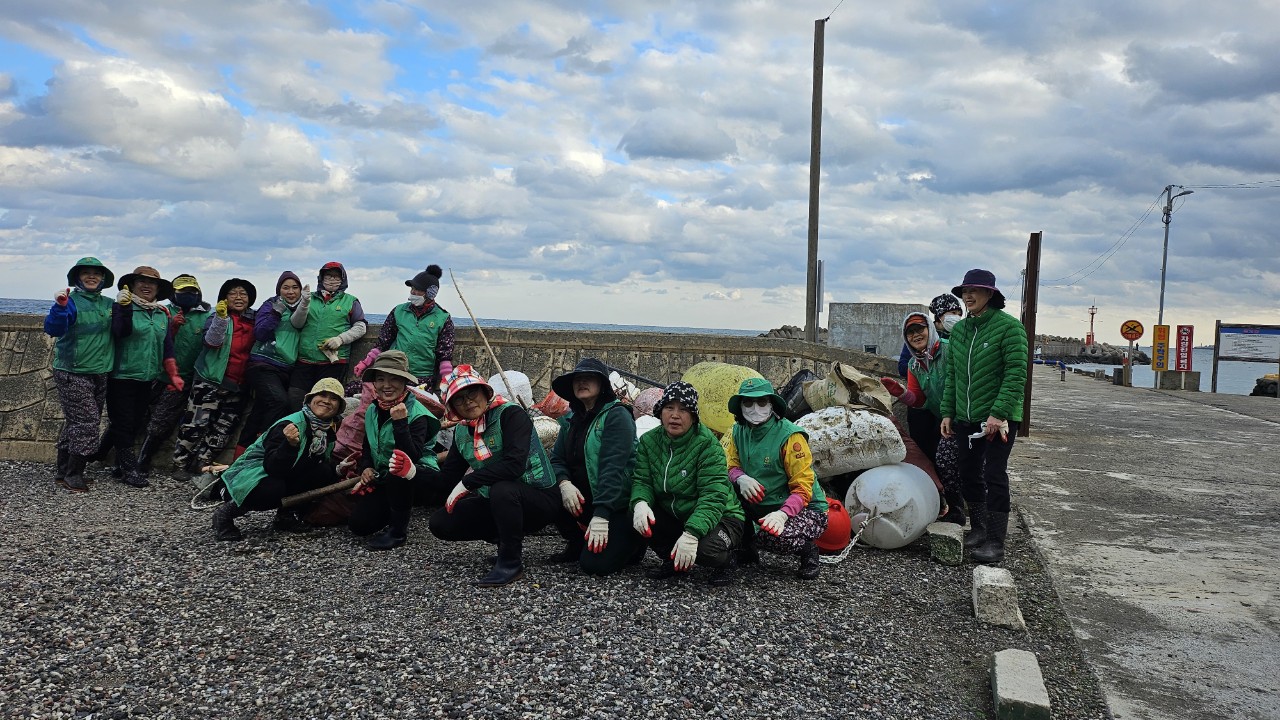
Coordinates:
[1249,343]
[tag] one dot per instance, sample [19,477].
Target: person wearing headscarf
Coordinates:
[397,460]
[505,485]
[219,393]
[293,456]
[680,495]
[188,313]
[83,356]
[144,355]
[771,467]
[335,320]
[982,407]
[594,457]
[276,331]
[421,329]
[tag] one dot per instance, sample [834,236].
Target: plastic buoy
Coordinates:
[521,389]
[716,383]
[839,529]
[900,501]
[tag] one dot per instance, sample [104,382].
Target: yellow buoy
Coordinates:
[717,382]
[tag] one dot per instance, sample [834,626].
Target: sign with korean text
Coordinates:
[1160,348]
[1131,330]
[1250,343]
[1182,353]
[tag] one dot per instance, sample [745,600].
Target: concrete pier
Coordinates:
[1157,514]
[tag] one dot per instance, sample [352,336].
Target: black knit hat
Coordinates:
[426,279]
[943,304]
[238,282]
[681,392]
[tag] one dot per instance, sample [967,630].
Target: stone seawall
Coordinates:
[30,415]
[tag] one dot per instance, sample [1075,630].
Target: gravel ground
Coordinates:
[120,605]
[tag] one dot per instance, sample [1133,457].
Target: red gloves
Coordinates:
[175,380]
[895,389]
[402,466]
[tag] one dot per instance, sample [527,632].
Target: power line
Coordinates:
[1097,263]
[1256,184]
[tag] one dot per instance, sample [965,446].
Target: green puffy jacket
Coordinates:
[686,476]
[986,368]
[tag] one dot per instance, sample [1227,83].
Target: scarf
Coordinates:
[388,404]
[144,304]
[477,429]
[318,430]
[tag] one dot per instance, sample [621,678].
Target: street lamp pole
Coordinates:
[1164,262]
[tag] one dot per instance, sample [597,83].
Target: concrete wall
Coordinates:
[30,415]
[857,325]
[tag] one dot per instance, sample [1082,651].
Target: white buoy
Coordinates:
[900,501]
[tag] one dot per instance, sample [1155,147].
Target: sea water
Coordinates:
[1234,378]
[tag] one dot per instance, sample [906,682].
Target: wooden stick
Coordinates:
[319,492]
[487,346]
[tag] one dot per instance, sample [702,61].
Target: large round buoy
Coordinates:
[843,439]
[716,382]
[839,530]
[901,501]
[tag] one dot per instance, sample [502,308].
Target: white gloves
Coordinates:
[750,489]
[458,491]
[685,552]
[597,535]
[773,522]
[332,343]
[571,498]
[642,519]
[124,297]
[402,466]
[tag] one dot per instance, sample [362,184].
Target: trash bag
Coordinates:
[847,385]
[793,394]
[645,402]
[553,406]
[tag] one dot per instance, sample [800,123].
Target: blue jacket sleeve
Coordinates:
[60,319]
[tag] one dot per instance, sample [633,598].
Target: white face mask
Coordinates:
[949,322]
[416,300]
[756,414]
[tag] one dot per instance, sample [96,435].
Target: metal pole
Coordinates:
[1164,261]
[815,174]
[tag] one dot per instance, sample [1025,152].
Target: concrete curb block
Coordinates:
[1017,686]
[946,543]
[995,598]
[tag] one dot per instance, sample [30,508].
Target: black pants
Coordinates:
[303,376]
[512,510]
[128,402]
[392,500]
[624,542]
[274,488]
[926,429]
[984,465]
[270,386]
[714,549]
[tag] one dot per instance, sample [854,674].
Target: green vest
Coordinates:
[932,381]
[188,340]
[761,452]
[595,436]
[382,438]
[284,349]
[87,348]
[212,363]
[325,320]
[140,356]
[247,471]
[537,469]
[417,337]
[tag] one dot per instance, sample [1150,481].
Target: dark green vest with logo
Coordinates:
[537,469]
[87,348]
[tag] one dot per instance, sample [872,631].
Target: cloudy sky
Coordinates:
[647,162]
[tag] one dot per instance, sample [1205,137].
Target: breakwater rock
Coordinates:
[1074,350]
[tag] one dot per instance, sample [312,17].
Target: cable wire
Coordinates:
[1097,263]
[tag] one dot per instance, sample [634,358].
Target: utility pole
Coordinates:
[811,299]
[1164,262]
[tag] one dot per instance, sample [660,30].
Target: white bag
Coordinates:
[844,439]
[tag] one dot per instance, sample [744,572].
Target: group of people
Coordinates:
[966,374]
[692,498]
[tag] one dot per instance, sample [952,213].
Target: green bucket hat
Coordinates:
[73,275]
[755,388]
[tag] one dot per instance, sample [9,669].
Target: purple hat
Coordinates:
[981,279]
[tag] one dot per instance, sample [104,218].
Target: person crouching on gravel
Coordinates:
[772,468]
[505,487]
[681,496]
[397,458]
[593,458]
[293,456]
[83,355]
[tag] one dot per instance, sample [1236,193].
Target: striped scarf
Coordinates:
[477,426]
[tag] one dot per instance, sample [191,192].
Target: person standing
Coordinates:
[83,356]
[983,397]
[276,331]
[421,329]
[593,458]
[335,320]
[144,354]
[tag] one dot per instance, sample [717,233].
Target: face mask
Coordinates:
[949,322]
[417,300]
[332,283]
[186,300]
[756,414]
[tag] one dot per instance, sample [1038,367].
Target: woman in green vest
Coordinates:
[188,313]
[83,355]
[219,392]
[144,355]
[593,458]
[772,468]
[276,331]
[397,459]
[292,456]
[334,321]
[505,485]
[421,329]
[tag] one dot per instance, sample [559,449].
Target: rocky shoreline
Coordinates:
[122,606]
